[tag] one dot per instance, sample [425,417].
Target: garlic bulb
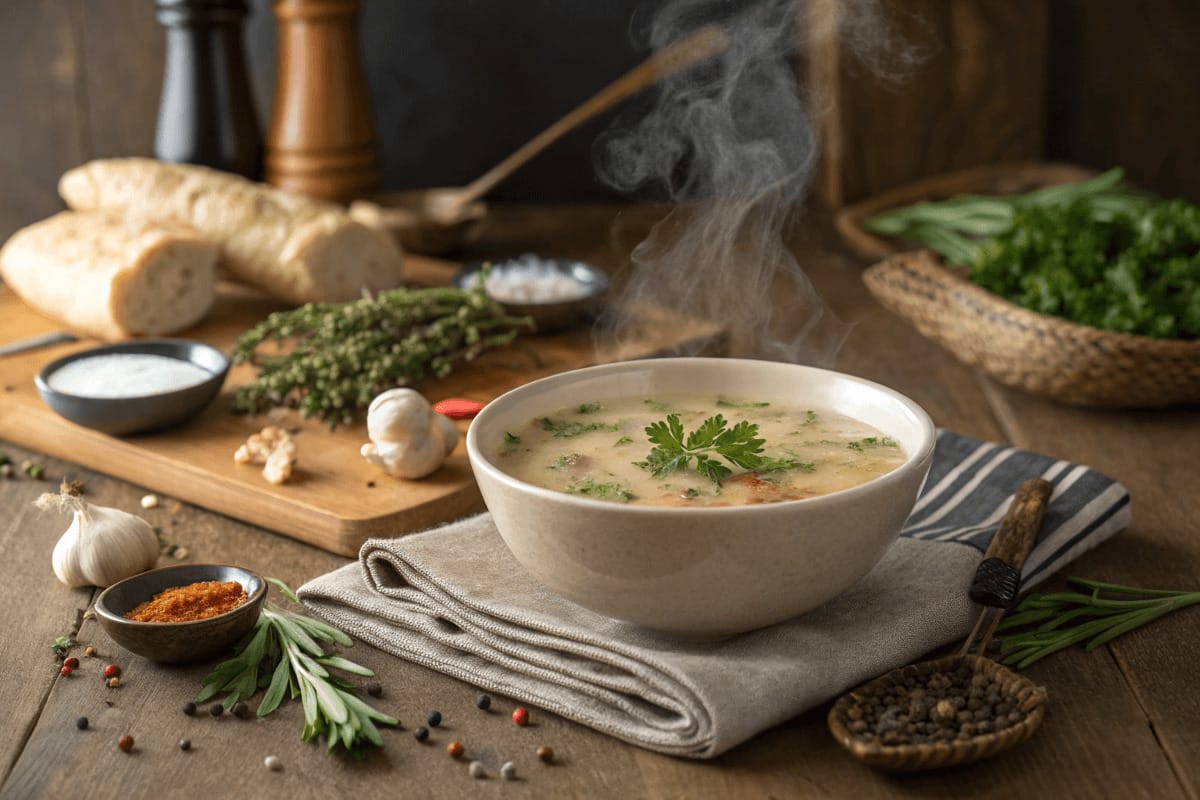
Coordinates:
[102,545]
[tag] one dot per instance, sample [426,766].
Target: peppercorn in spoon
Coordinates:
[963,707]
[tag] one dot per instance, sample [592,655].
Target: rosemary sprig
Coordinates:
[283,654]
[343,354]
[1066,618]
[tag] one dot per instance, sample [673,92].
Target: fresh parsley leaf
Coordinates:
[601,491]
[872,441]
[625,440]
[565,430]
[723,403]
[589,408]
[672,451]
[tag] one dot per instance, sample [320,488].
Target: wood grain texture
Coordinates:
[976,96]
[1147,452]
[335,499]
[1121,90]
[122,49]
[43,130]
[1116,727]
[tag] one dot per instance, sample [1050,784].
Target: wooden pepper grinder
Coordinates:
[322,138]
[206,113]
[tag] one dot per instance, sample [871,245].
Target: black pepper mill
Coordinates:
[206,114]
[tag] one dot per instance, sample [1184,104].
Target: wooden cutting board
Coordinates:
[335,500]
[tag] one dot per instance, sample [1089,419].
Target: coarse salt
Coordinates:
[529,279]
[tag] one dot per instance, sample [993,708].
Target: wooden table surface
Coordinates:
[1124,721]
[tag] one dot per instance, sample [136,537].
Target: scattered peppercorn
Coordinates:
[82,723]
[455,749]
[475,770]
[434,719]
[216,709]
[185,744]
[241,710]
[508,771]
[545,753]
[375,689]
[370,484]
[89,651]
[114,682]
[112,671]
[65,671]
[71,661]
[189,708]
[125,743]
[421,734]
[273,763]
[520,716]
[483,702]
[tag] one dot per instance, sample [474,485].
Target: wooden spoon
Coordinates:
[424,213]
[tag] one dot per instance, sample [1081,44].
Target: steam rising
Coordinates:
[731,143]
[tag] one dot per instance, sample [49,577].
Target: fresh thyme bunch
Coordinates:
[343,354]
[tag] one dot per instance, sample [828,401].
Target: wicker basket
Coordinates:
[1023,693]
[1073,364]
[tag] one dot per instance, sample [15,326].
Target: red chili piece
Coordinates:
[71,661]
[112,671]
[458,408]
[520,716]
[65,671]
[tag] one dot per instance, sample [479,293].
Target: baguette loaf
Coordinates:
[290,246]
[112,278]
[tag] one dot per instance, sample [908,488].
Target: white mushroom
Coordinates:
[408,438]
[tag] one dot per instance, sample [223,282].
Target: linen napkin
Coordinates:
[455,600]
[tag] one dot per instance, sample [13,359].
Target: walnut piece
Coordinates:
[274,449]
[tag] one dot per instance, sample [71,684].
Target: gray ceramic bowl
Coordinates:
[120,416]
[549,317]
[170,642]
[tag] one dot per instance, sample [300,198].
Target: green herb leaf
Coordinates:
[287,646]
[1067,618]
[738,445]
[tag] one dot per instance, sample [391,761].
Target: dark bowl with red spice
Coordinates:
[190,640]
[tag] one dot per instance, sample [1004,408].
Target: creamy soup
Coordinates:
[604,451]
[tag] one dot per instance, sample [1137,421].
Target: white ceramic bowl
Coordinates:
[702,572]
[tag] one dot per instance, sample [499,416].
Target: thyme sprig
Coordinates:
[1063,619]
[340,355]
[283,655]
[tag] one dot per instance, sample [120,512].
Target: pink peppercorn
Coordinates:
[520,716]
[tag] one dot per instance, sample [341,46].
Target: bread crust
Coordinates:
[290,246]
[109,277]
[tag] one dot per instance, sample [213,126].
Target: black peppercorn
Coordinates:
[185,744]
[241,710]
[483,702]
[375,689]
[434,719]
[421,734]
[82,723]
[189,709]
[216,709]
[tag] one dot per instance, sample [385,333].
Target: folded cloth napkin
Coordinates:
[455,600]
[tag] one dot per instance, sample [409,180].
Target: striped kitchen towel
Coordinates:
[446,599]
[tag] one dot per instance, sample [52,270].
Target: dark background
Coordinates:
[458,84]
